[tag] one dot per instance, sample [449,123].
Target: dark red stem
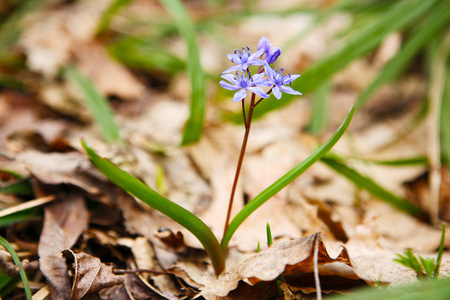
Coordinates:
[241,158]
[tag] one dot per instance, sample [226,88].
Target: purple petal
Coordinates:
[241,94]
[257,77]
[273,54]
[258,91]
[256,54]
[232,69]
[230,77]
[291,78]
[228,86]
[234,57]
[264,44]
[289,90]
[264,82]
[255,62]
[276,92]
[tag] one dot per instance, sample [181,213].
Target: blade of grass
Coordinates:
[145,55]
[440,252]
[97,104]
[179,214]
[21,187]
[23,275]
[445,120]
[284,181]
[371,186]
[194,126]
[438,19]
[402,14]
[108,15]
[423,290]
[319,115]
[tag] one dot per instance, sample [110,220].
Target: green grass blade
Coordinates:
[108,15]
[437,20]
[371,186]
[145,55]
[445,120]
[320,109]
[440,253]
[269,235]
[22,188]
[97,104]
[20,217]
[23,275]
[423,290]
[194,126]
[284,181]
[179,214]
[401,14]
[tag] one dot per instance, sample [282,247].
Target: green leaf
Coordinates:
[22,188]
[371,186]
[438,19]
[401,14]
[423,290]
[429,265]
[97,104]
[109,13]
[145,55]
[440,253]
[284,181]
[320,109]
[179,214]
[20,217]
[16,260]
[269,235]
[445,120]
[194,126]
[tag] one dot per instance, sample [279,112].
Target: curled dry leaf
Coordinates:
[90,274]
[64,221]
[295,256]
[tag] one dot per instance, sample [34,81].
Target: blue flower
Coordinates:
[244,59]
[243,84]
[271,53]
[278,81]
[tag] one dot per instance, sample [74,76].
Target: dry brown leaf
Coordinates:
[64,221]
[51,35]
[95,62]
[56,168]
[90,275]
[289,257]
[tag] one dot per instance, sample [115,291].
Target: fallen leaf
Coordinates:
[286,257]
[64,220]
[90,274]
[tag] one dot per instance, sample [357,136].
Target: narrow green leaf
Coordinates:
[440,253]
[22,188]
[194,126]
[319,115]
[20,217]
[179,214]
[23,275]
[438,19]
[445,120]
[269,235]
[109,13]
[371,186]
[401,14]
[145,55]
[423,290]
[97,104]
[284,181]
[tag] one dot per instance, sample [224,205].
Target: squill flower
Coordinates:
[279,82]
[243,84]
[243,59]
[271,53]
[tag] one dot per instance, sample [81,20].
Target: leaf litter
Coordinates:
[92,230]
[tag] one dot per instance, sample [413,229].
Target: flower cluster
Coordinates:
[243,81]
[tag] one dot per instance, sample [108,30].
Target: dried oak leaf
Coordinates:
[289,257]
[64,221]
[90,274]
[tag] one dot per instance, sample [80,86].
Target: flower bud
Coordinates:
[273,54]
[264,44]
